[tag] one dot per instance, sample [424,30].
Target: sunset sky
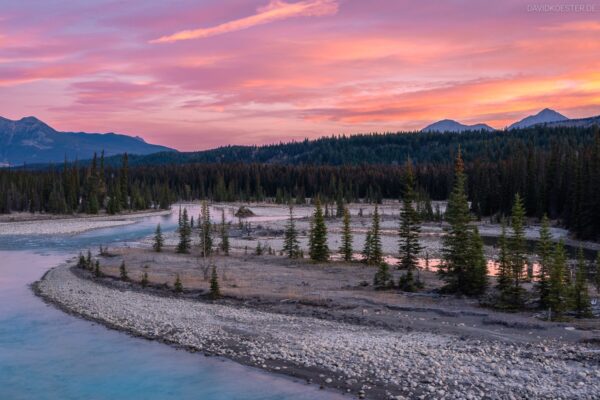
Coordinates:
[199,74]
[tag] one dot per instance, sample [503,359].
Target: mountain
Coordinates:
[543,117]
[30,141]
[448,125]
[576,123]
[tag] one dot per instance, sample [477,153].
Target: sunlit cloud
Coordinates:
[276,10]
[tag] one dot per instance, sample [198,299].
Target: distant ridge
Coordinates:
[449,125]
[576,123]
[30,141]
[543,117]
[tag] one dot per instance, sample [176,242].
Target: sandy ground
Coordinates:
[44,224]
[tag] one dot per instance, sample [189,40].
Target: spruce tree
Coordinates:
[558,291]
[123,272]
[206,243]
[224,231]
[383,278]
[409,234]
[581,298]
[291,246]
[97,272]
[88,260]
[158,240]
[517,250]
[215,291]
[319,250]
[373,253]
[477,270]
[503,279]
[178,286]
[366,253]
[456,253]
[544,253]
[184,234]
[346,247]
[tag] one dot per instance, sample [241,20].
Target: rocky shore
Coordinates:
[368,362]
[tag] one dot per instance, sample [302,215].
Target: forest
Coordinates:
[556,172]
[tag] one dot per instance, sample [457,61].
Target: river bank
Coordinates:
[382,363]
[50,224]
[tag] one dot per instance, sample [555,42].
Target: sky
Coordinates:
[199,74]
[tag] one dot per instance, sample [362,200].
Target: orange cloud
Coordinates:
[276,10]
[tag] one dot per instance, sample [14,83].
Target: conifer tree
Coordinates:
[224,231]
[517,250]
[581,298]
[456,250]
[215,291]
[558,291]
[184,234]
[477,267]
[123,271]
[319,250]
[97,271]
[144,281]
[81,263]
[291,246]
[346,247]
[259,249]
[544,252]
[383,278]
[206,243]
[339,211]
[373,253]
[88,260]
[409,234]
[178,286]
[158,240]
[503,280]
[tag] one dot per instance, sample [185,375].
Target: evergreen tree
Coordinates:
[558,291]
[88,260]
[517,250]
[224,246]
[319,250]
[97,272]
[339,211]
[184,234]
[477,271]
[158,240]
[456,253]
[346,247]
[409,234]
[504,271]
[215,291]
[374,253]
[383,278]
[544,252]
[177,286]
[123,272]
[124,182]
[259,249]
[291,246]
[206,243]
[144,281]
[366,253]
[81,263]
[581,298]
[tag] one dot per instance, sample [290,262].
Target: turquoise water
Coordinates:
[47,354]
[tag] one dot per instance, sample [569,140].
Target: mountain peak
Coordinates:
[545,116]
[450,125]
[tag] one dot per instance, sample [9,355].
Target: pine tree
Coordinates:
[319,250]
[581,298]
[81,263]
[477,270]
[544,252]
[215,291]
[409,234]
[291,246]
[383,279]
[178,286]
[97,272]
[558,291]
[503,280]
[206,243]
[517,250]
[339,211]
[366,253]
[259,249]
[184,234]
[158,240]
[373,252]
[456,252]
[88,260]
[224,246]
[144,281]
[123,272]
[346,247]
